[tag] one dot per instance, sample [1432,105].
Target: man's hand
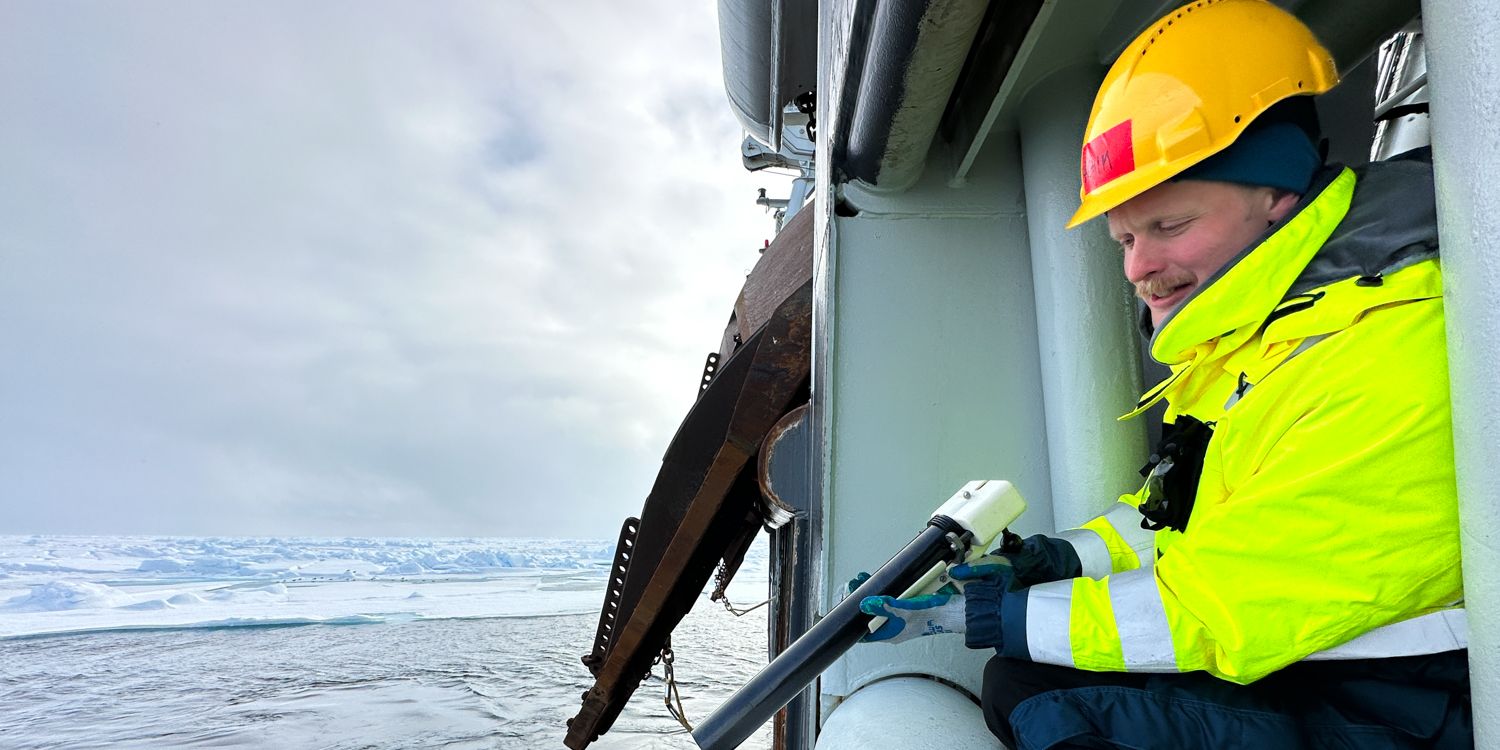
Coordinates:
[1016,565]
[991,567]
[854,583]
[1037,559]
[928,614]
[1005,573]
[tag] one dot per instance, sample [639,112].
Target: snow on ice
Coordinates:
[62,584]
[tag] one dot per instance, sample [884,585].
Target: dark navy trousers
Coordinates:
[1379,704]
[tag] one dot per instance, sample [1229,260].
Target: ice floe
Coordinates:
[62,584]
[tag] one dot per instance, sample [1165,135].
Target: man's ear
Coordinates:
[1282,203]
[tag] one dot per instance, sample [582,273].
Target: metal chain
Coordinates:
[673,696]
[721,581]
[737,612]
[721,595]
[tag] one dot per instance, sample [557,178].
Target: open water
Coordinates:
[483,683]
[135,642]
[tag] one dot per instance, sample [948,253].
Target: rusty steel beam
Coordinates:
[783,267]
[707,484]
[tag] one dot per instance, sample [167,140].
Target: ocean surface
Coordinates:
[137,642]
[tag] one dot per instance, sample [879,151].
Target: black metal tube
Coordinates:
[806,658]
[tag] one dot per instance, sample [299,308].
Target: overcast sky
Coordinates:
[358,268]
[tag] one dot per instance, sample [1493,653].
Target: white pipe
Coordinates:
[907,713]
[1463,56]
[1087,341]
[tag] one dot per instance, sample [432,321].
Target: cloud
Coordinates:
[359,268]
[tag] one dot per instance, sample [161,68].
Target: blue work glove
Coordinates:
[854,583]
[994,582]
[928,614]
[1037,559]
[908,618]
[995,588]
[991,587]
[991,567]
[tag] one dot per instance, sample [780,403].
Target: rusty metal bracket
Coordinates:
[710,368]
[608,613]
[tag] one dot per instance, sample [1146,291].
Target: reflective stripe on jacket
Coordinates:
[1325,523]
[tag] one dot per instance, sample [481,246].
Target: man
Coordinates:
[1289,574]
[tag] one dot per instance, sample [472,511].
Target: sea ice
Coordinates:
[81,584]
[64,595]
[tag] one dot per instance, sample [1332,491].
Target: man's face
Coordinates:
[1178,234]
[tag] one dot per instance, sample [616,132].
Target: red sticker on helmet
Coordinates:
[1108,156]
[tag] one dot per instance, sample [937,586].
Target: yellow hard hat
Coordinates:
[1186,88]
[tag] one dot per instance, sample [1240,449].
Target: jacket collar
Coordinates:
[1336,232]
[1232,304]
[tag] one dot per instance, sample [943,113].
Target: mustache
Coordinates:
[1161,284]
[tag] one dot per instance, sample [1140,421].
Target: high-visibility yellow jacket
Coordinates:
[1325,523]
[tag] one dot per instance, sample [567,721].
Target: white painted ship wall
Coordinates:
[933,382]
[953,344]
